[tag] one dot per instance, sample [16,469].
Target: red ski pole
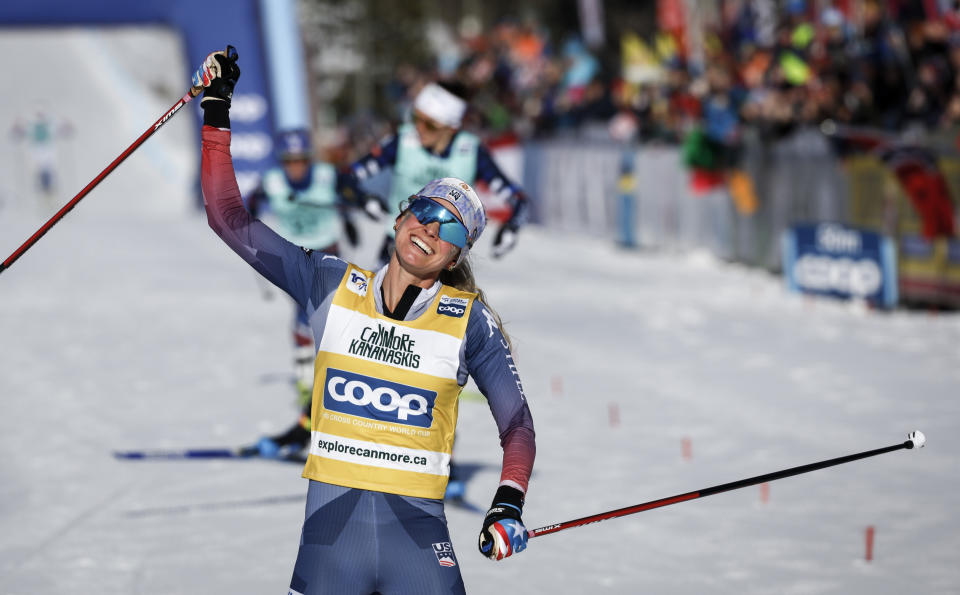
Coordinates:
[914,440]
[193,92]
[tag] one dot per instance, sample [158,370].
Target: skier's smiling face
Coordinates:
[419,248]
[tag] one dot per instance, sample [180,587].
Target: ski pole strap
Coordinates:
[507,501]
[497,507]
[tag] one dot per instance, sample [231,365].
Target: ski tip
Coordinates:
[127,455]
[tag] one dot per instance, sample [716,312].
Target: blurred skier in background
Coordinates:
[395,348]
[306,201]
[433,145]
[40,134]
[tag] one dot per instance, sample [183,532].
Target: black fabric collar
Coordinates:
[403,306]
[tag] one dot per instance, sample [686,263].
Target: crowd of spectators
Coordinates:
[880,70]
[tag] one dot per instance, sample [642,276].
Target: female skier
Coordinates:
[394,348]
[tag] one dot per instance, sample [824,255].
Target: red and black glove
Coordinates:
[218,76]
[503,533]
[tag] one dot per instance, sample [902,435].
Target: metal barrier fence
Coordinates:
[575,188]
[797,179]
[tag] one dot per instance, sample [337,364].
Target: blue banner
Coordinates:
[841,261]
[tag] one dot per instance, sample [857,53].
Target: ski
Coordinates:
[251,452]
[245,452]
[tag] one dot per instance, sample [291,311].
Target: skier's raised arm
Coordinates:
[281,262]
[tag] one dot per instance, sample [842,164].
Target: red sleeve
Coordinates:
[519,450]
[491,364]
[284,264]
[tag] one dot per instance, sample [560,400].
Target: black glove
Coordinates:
[350,230]
[505,239]
[375,207]
[217,75]
[503,533]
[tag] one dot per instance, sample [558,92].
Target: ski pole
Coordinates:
[914,440]
[193,92]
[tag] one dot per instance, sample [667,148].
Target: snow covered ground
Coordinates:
[140,332]
[130,326]
[103,88]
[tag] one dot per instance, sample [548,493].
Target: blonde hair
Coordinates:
[461,277]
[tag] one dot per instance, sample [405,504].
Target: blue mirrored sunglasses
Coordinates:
[427,211]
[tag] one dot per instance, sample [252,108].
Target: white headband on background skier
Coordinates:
[440,105]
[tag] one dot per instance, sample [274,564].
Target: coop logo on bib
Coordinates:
[452,306]
[378,399]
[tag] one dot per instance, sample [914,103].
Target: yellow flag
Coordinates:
[666,46]
[640,63]
[795,70]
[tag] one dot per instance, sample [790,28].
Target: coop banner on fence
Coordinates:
[841,261]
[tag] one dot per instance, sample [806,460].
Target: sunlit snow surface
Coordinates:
[131,326]
[130,332]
